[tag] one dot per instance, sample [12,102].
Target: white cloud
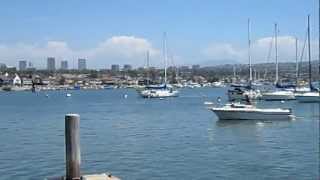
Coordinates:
[259,50]
[223,51]
[122,49]
[132,50]
[117,49]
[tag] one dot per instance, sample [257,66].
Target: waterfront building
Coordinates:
[195,67]
[127,67]
[115,67]
[22,65]
[64,65]
[2,66]
[16,80]
[82,64]
[11,68]
[51,64]
[26,81]
[184,68]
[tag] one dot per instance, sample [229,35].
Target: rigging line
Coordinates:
[269,56]
[302,53]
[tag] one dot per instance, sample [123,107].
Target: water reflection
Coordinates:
[230,123]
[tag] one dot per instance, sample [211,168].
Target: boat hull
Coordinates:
[159,93]
[308,97]
[278,96]
[251,115]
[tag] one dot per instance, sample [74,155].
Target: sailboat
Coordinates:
[248,111]
[314,94]
[162,90]
[277,95]
[241,91]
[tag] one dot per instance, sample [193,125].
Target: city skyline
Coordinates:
[123,31]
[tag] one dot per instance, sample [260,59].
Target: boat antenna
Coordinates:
[249,51]
[309,54]
[276,49]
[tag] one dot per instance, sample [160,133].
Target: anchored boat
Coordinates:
[314,94]
[159,92]
[278,95]
[237,111]
[164,90]
[241,92]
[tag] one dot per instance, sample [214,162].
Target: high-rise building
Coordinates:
[184,68]
[51,64]
[22,65]
[64,65]
[82,65]
[127,67]
[196,67]
[3,66]
[115,67]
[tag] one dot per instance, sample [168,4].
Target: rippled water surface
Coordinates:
[137,138]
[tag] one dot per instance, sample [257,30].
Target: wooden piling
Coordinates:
[73,156]
[72,141]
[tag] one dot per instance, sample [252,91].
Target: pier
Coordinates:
[73,154]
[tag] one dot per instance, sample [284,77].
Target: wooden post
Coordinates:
[72,141]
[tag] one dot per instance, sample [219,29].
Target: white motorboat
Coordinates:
[308,97]
[278,96]
[218,84]
[237,111]
[208,103]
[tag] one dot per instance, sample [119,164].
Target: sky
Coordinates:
[106,32]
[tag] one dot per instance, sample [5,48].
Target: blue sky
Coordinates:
[196,29]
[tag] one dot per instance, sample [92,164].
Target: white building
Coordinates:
[17,81]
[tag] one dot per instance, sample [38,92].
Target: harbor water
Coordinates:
[136,138]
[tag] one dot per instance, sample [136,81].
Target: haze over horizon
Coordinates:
[120,32]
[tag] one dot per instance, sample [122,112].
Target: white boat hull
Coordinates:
[163,93]
[308,97]
[255,114]
[278,96]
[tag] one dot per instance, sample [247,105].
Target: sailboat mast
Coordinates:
[148,68]
[276,49]
[249,51]
[297,64]
[309,53]
[234,71]
[165,56]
